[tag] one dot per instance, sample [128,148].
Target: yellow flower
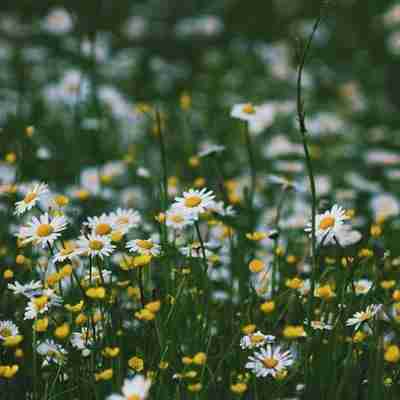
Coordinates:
[12,341]
[200,358]
[256,265]
[294,331]
[256,236]
[195,387]
[96,293]
[185,101]
[267,307]
[8,274]
[75,308]
[153,306]
[388,284]
[365,253]
[239,388]
[392,354]
[62,331]
[142,260]
[248,329]
[375,231]
[105,375]
[145,314]
[163,365]
[194,162]
[8,371]
[324,292]
[359,337]
[136,363]
[187,360]
[190,374]
[111,352]
[19,353]
[81,319]
[41,325]
[294,283]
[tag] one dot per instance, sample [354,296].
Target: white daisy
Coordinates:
[31,198]
[7,329]
[211,149]
[67,252]
[362,286]
[102,225]
[125,219]
[194,250]
[94,245]
[177,218]
[256,339]
[330,225]
[52,352]
[43,230]
[144,246]
[269,361]
[359,317]
[58,21]
[28,289]
[220,208]
[245,112]
[133,389]
[41,304]
[195,201]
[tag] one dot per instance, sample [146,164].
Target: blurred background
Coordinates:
[80,71]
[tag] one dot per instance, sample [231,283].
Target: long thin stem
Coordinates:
[303,131]
[163,156]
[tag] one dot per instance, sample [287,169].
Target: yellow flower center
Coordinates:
[256,339]
[270,362]
[133,397]
[248,108]
[327,222]
[29,197]
[44,230]
[145,244]
[40,302]
[5,332]
[177,218]
[364,316]
[96,244]
[192,201]
[103,229]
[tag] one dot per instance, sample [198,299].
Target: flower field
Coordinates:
[199,200]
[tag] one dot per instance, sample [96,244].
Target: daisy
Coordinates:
[7,329]
[31,198]
[43,230]
[195,201]
[219,207]
[58,21]
[194,250]
[245,112]
[177,218]
[269,361]
[359,317]
[125,219]
[329,226]
[52,351]
[102,225]
[144,246]
[133,389]
[28,289]
[94,245]
[256,339]
[211,149]
[66,252]
[362,286]
[41,304]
